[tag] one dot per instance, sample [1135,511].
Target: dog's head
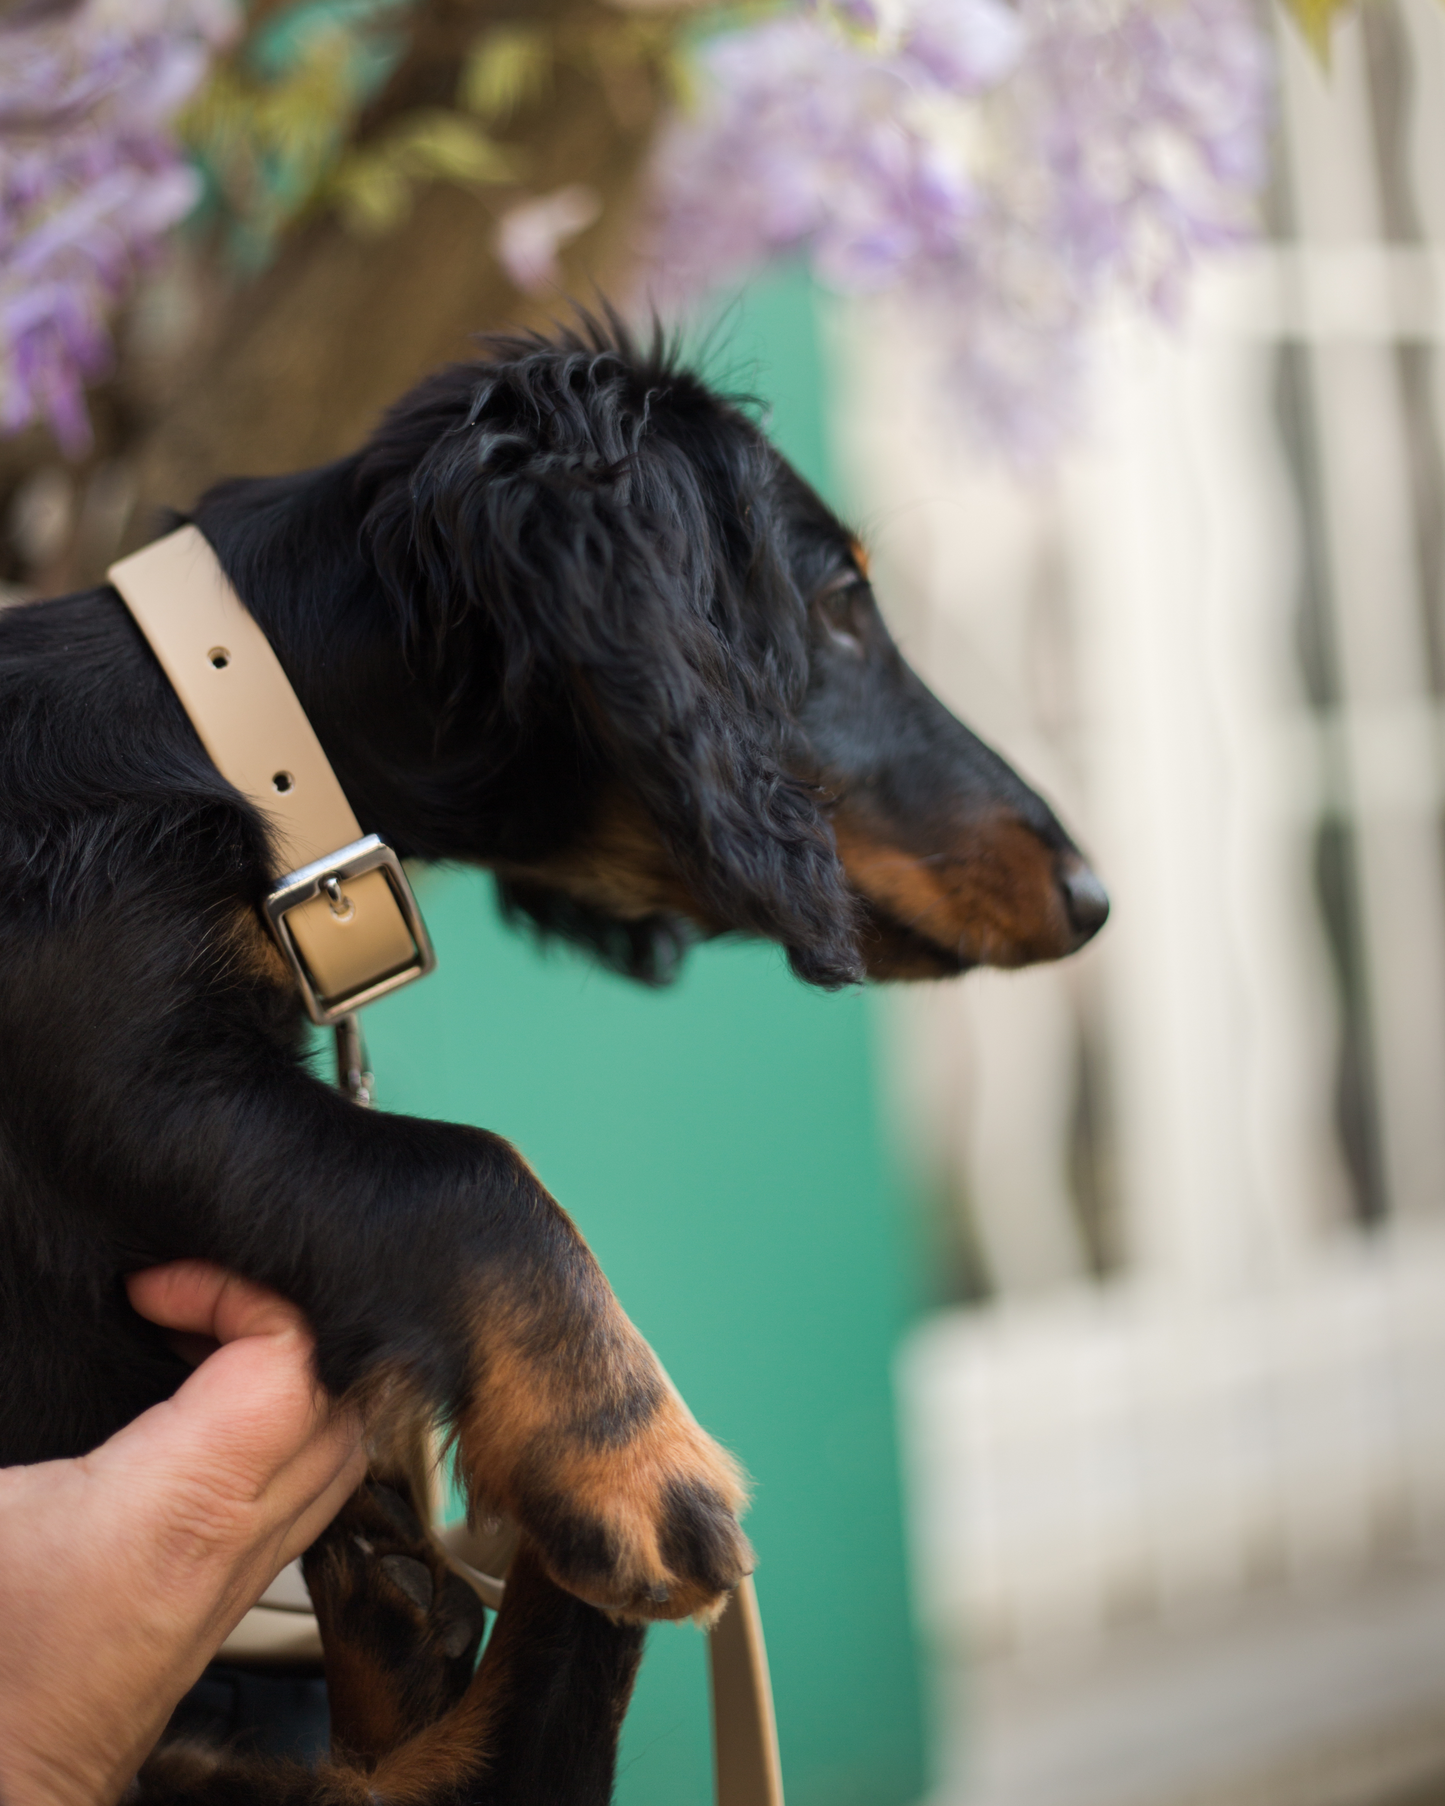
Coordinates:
[609,569]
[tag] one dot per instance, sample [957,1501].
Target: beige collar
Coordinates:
[342,909]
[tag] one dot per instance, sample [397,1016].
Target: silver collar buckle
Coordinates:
[350,928]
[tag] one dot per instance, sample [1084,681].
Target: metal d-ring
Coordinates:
[353,1072]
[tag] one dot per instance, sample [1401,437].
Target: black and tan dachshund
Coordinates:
[570,617]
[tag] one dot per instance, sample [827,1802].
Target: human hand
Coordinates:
[123,1572]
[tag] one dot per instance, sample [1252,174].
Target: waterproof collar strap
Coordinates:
[343,912]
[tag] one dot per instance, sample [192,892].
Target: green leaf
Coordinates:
[438,144]
[269,146]
[372,195]
[505,69]
[373,187]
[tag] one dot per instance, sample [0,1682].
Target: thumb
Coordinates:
[205,1300]
[253,1413]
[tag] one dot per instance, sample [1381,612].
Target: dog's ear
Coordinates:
[625,566]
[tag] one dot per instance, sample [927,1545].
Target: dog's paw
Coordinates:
[643,1527]
[400,1630]
[570,1427]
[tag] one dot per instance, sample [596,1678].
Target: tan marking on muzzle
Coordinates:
[991,898]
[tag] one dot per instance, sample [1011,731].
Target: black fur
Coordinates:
[562,587]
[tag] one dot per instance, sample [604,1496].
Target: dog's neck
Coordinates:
[413,730]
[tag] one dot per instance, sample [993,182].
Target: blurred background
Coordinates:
[1083,1328]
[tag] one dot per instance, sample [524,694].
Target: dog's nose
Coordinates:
[1085,898]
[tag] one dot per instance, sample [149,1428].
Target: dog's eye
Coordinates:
[843,609]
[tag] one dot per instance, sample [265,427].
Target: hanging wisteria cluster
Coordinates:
[1008,165]
[90,179]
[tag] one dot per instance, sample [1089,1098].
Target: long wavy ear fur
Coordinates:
[650,950]
[610,521]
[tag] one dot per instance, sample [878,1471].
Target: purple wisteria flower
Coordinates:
[1007,165]
[90,179]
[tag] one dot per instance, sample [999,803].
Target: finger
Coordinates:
[215,1519]
[202,1299]
[294,1515]
[258,1390]
[267,1384]
[245,1414]
[251,1448]
[252,1418]
[313,1519]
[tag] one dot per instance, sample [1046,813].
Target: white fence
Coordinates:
[1198,1175]
[1123,1453]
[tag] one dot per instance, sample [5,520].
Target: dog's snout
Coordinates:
[1085,898]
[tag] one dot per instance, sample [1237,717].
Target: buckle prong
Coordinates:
[341,907]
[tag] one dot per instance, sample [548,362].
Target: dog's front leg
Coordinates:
[555,1683]
[431,1261]
[399,1629]
[538,1722]
[570,1426]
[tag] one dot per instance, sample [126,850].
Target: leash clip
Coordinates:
[350,928]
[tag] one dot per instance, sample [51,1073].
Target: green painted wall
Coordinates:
[720,1148]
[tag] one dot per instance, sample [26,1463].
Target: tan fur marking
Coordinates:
[991,899]
[366,1716]
[401,1440]
[620,866]
[385,1684]
[522,1414]
[254,952]
[442,1756]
